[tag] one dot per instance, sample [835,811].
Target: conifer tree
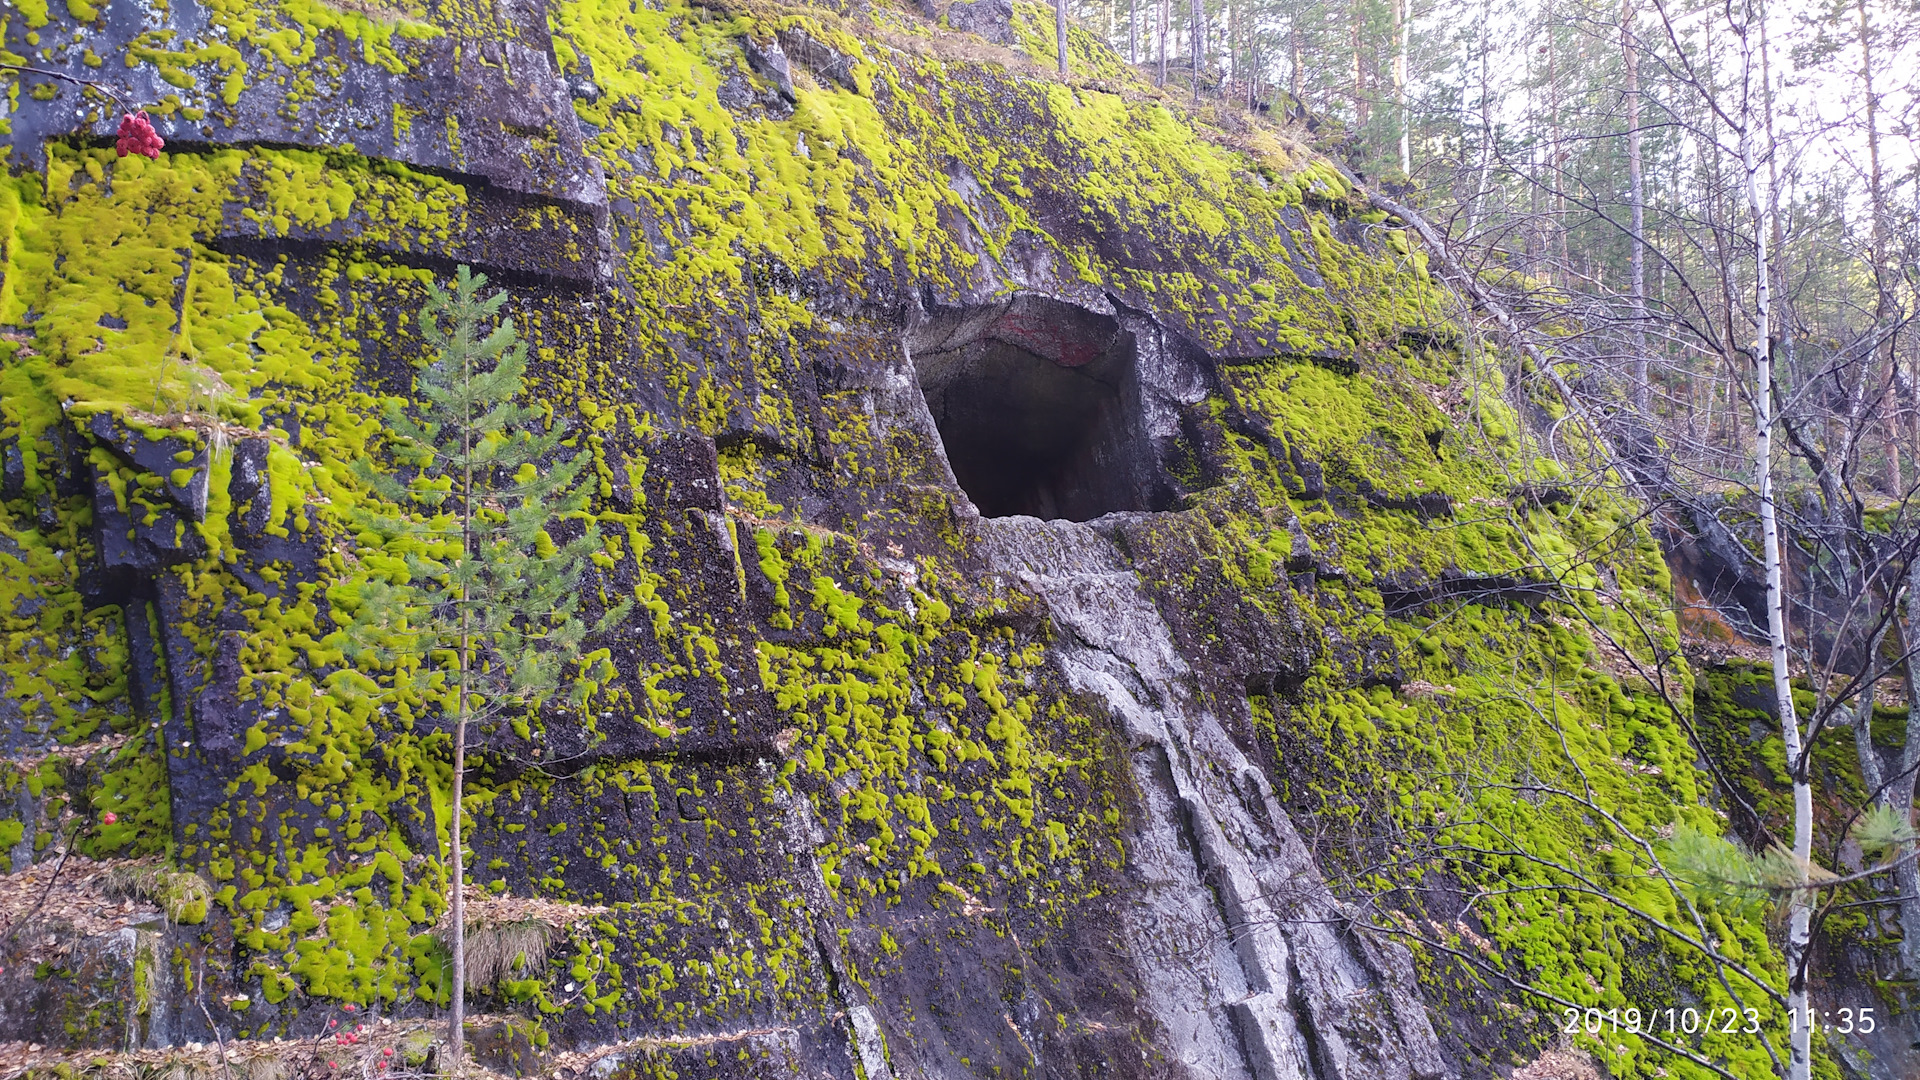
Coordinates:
[485,621]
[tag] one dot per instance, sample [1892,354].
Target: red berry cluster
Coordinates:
[347,1038]
[138,137]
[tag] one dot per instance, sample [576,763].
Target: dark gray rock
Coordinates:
[250,491]
[991,19]
[770,60]
[164,456]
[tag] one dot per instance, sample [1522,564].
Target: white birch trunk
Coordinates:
[1476,202]
[1799,909]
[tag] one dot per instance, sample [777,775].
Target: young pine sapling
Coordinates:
[480,615]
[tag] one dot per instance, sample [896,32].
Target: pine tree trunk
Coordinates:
[1530,234]
[1876,207]
[1636,198]
[1197,32]
[1160,31]
[1876,195]
[456,1025]
[1557,155]
[1060,31]
[457,1018]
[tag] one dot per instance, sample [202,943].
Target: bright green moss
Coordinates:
[944,758]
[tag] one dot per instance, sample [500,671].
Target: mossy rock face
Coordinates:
[511,1047]
[85,991]
[868,783]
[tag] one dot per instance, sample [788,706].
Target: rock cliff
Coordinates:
[1093,609]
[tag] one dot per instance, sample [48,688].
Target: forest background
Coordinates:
[1693,230]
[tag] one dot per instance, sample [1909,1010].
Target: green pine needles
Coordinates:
[486,595]
[1723,874]
[480,614]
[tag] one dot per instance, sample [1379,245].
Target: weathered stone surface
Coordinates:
[882,776]
[489,103]
[991,19]
[1312,1005]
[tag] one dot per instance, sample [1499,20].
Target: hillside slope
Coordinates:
[1064,536]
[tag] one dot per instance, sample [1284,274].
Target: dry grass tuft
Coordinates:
[510,935]
[139,882]
[384,1049]
[517,948]
[1562,1064]
[184,896]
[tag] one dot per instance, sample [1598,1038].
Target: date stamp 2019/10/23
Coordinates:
[1725,1021]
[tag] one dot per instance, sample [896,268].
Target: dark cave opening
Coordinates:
[1038,413]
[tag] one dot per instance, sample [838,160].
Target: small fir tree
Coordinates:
[480,617]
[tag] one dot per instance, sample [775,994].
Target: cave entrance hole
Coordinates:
[1037,405]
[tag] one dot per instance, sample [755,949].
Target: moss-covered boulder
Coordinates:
[1088,616]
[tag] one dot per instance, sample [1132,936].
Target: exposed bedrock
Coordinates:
[1052,527]
[1242,951]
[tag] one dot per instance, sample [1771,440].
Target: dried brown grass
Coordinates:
[509,935]
[181,894]
[517,948]
[1560,1064]
[376,11]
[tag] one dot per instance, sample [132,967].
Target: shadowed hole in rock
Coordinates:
[1037,409]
